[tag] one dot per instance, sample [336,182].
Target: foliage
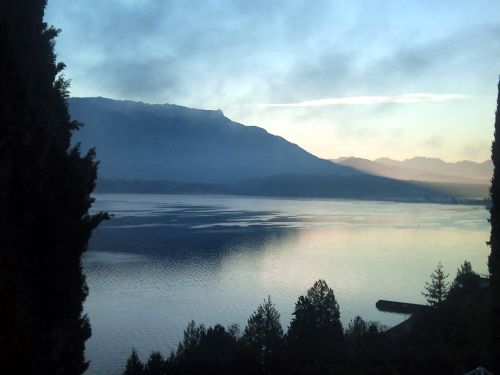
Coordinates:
[366,342]
[134,365]
[45,188]
[494,257]
[155,365]
[315,334]
[263,337]
[466,280]
[192,338]
[449,339]
[212,350]
[437,288]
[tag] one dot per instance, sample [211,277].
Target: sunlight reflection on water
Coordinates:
[164,260]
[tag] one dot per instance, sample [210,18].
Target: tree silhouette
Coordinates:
[192,338]
[134,365]
[263,336]
[466,280]
[315,334]
[155,365]
[437,288]
[45,188]
[494,257]
[366,342]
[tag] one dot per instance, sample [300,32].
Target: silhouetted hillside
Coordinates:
[141,141]
[303,186]
[146,148]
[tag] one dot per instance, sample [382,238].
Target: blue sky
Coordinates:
[339,78]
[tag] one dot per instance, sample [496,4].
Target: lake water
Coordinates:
[164,260]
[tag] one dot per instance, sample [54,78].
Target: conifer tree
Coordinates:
[437,289]
[466,280]
[494,257]
[155,365]
[315,332]
[134,365]
[45,187]
[263,336]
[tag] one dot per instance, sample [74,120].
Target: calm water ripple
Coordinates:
[164,260]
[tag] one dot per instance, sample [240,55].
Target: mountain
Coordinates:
[138,141]
[424,169]
[146,148]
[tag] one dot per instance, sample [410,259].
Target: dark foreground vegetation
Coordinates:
[450,337]
[45,188]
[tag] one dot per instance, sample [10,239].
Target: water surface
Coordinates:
[164,260]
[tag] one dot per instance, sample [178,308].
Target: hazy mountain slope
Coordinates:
[141,141]
[312,186]
[171,149]
[424,169]
[355,186]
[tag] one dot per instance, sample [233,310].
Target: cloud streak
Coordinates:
[374,100]
[248,57]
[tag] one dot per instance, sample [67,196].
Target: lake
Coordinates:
[164,260]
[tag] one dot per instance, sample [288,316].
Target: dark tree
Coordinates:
[134,365]
[366,343]
[263,337]
[466,281]
[45,188]
[437,289]
[155,365]
[212,350]
[192,338]
[494,258]
[356,333]
[315,335]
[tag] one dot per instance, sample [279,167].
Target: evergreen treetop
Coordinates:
[134,365]
[263,335]
[316,328]
[437,289]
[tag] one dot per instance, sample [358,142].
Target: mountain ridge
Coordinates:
[420,168]
[166,148]
[135,140]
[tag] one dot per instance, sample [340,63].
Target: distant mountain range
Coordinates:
[423,169]
[172,149]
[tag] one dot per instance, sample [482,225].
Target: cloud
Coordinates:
[374,100]
[455,62]
[219,53]
[350,55]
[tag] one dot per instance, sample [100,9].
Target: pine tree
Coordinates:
[315,332]
[155,365]
[193,335]
[134,365]
[45,188]
[466,280]
[494,257]
[263,336]
[437,288]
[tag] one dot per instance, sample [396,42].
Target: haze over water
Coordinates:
[164,260]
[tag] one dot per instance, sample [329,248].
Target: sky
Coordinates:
[339,78]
